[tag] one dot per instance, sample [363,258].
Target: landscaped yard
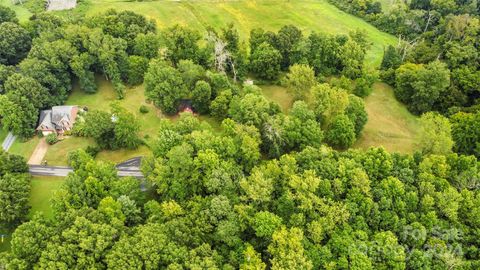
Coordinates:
[57,153]
[389,124]
[24,148]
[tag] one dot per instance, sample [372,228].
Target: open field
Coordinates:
[279,95]
[309,15]
[42,191]
[389,124]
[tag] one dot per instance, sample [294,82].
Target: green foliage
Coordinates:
[287,251]
[14,190]
[7,15]
[341,133]
[219,106]
[421,86]
[143,109]
[201,95]
[265,61]
[265,224]
[14,43]
[182,44]
[146,45]
[252,109]
[137,66]
[356,112]
[391,59]
[435,134]
[164,86]
[51,138]
[466,133]
[299,80]
[113,130]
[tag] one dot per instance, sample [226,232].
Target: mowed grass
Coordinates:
[389,124]
[57,154]
[24,148]
[42,191]
[308,15]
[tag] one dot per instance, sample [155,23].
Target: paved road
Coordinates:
[7,143]
[63,171]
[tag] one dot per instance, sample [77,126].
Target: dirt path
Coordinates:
[39,153]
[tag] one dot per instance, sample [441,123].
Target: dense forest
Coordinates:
[266,189]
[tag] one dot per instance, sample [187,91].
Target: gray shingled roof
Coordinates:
[59,112]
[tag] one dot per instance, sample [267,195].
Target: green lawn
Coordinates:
[309,15]
[41,193]
[389,124]
[279,95]
[57,153]
[3,134]
[24,148]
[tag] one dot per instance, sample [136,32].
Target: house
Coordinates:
[57,120]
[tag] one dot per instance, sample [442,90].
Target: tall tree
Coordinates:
[15,43]
[299,80]
[435,134]
[164,86]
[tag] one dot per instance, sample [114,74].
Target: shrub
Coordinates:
[143,109]
[92,150]
[51,138]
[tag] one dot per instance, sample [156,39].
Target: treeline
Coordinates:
[329,114]
[14,191]
[217,205]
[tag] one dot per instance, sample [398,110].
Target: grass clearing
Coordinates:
[42,191]
[278,94]
[308,15]
[389,124]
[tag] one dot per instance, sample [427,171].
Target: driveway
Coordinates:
[7,143]
[39,153]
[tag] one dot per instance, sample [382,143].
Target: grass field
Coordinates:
[309,15]
[389,124]
[42,190]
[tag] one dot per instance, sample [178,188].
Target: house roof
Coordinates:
[60,112]
[45,122]
[57,117]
